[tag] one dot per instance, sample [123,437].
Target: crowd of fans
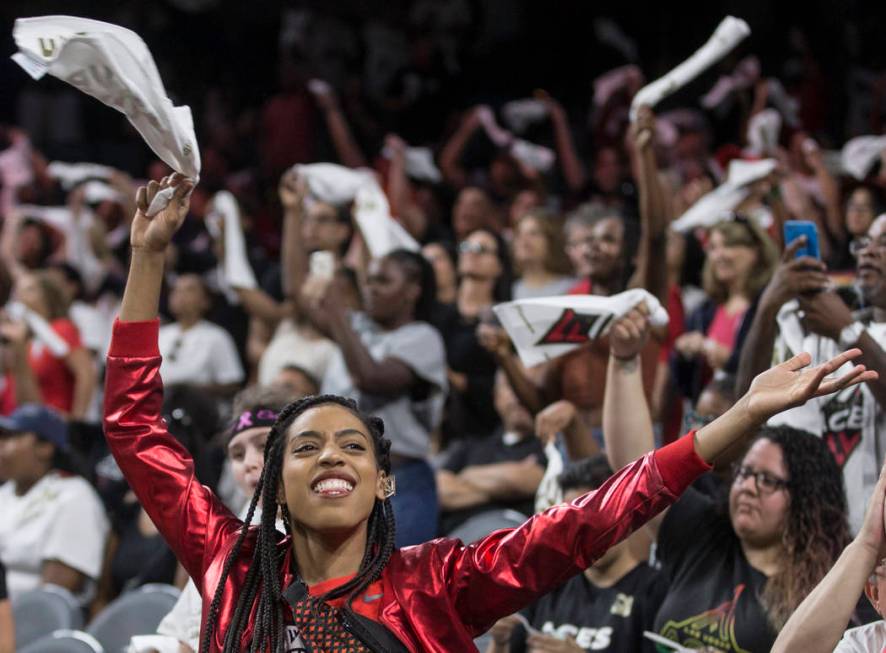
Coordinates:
[732,566]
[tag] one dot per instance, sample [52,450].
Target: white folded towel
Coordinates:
[419,162]
[519,114]
[40,328]
[860,154]
[71,174]
[238,272]
[547,327]
[715,206]
[114,65]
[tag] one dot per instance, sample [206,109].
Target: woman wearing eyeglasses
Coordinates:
[739,561]
[484,279]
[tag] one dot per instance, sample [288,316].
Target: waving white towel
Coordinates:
[71,174]
[114,65]
[238,272]
[729,33]
[519,114]
[338,185]
[40,328]
[860,154]
[712,208]
[419,162]
[548,327]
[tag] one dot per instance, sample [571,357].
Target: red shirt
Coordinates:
[55,380]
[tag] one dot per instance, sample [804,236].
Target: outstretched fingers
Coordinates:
[858,374]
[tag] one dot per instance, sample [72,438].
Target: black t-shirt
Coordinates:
[598,618]
[712,597]
[488,451]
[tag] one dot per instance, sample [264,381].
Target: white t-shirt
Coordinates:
[60,518]
[205,354]
[290,346]
[851,422]
[870,638]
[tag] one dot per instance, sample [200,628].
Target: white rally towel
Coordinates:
[71,174]
[860,154]
[419,162]
[40,328]
[763,131]
[339,185]
[537,157]
[238,272]
[547,327]
[715,206]
[729,33]
[519,114]
[114,65]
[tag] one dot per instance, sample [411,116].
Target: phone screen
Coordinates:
[793,229]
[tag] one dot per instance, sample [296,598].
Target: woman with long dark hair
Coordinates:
[749,551]
[335,581]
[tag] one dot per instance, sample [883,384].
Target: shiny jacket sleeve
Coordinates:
[508,569]
[157,467]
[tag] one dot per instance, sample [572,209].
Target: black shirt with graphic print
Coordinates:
[598,618]
[712,598]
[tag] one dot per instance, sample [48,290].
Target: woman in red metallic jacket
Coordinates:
[335,581]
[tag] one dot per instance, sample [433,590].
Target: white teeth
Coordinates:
[332,485]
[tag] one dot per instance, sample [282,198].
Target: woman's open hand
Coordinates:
[793,383]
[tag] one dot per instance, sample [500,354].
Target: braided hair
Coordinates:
[815,531]
[261,587]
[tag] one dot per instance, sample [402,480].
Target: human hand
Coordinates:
[14,332]
[825,314]
[629,334]
[872,535]
[292,190]
[794,276]
[396,145]
[554,419]
[690,345]
[501,631]
[154,233]
[793,383]
[538,643]
[643,128]
[715,354]
[494,339]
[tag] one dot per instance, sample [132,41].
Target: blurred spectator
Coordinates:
[538,257]
[499,471]
[393,363]
[798,312]
[608,607]
[65,383]
[195,351]
[740,262]
[54,526]
[751,562]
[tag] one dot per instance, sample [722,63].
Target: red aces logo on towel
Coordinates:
[573,328]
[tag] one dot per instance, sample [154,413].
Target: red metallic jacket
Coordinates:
[437,596]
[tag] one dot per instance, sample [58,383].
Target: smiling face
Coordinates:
[606,250]
[730,263]
[759,515]
[330,476]
[872,265]
[246,451]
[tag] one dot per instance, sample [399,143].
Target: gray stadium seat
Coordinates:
[481,525]
[64,641]
[41,611]
[138,612]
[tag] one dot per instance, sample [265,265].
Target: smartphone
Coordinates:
[322,265]
[793,229]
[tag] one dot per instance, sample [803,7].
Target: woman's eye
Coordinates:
[303,448]
[355,446]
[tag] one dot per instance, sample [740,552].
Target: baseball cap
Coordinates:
[40,420]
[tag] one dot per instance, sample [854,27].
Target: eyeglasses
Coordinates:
[863,242]
[764,482]
[467,247]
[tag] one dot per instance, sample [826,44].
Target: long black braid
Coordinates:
[261,590]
